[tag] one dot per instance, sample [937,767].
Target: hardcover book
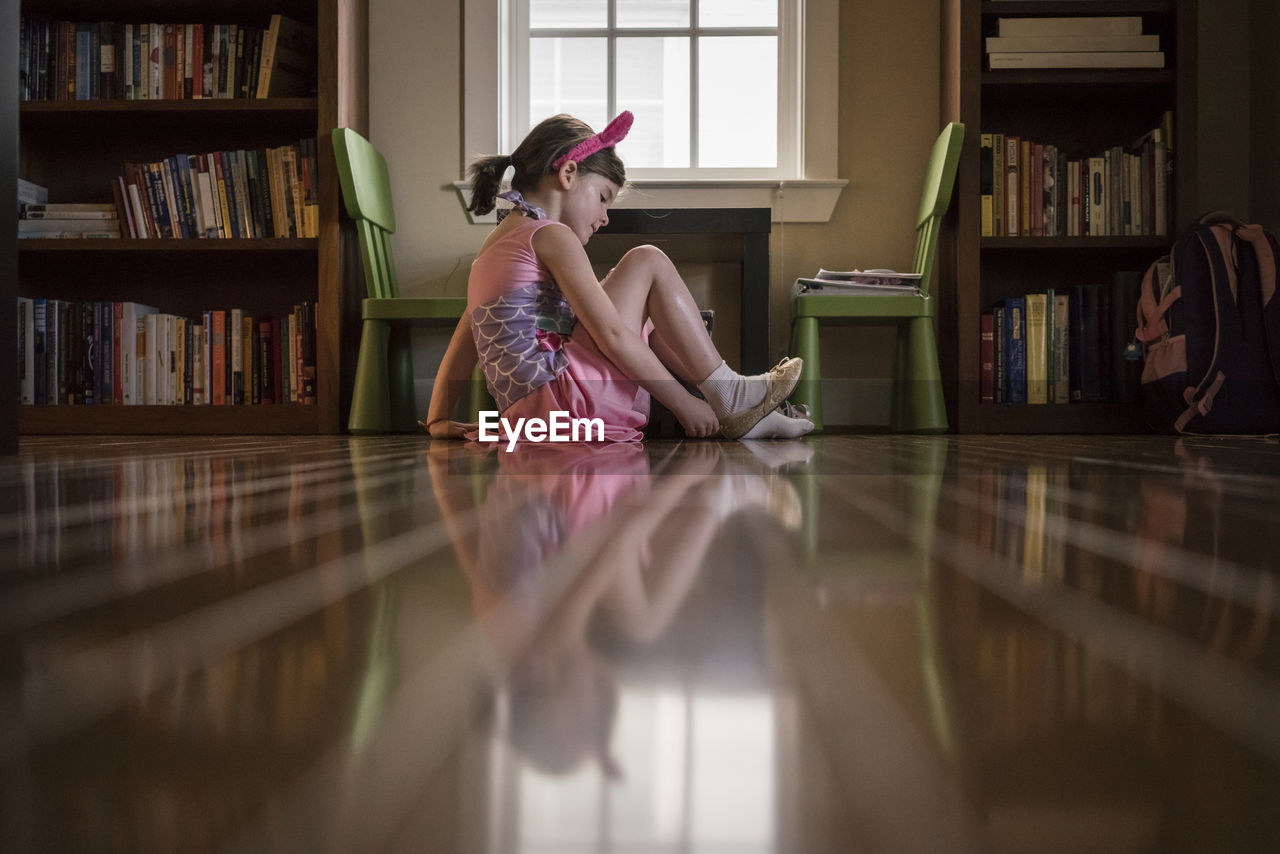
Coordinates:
[986,163]
[1015,349]
[1001,383]
[288,65]
[1037,348]
[987,358]
[1062,348]
[1126,364]
[26,351]
[1097,25]
[1097,59]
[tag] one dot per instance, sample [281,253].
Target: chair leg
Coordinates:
[804,343]
[921,407]
[404,418]
[900,405]
[371,398]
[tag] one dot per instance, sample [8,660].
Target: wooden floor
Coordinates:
[840,644]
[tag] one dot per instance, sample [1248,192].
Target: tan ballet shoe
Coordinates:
[782,381]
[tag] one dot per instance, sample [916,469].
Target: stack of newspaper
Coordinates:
[860,282]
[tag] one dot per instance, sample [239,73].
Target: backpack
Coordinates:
[1209,327]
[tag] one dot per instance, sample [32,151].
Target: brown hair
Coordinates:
[549,140]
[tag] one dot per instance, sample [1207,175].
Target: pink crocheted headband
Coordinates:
[614,133]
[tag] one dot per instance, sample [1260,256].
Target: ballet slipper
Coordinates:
[782,379]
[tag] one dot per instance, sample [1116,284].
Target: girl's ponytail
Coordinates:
[535,157]
[486,181]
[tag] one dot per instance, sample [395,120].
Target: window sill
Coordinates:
[799,200]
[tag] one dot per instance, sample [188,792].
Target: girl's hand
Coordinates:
[445,429]
[697,418]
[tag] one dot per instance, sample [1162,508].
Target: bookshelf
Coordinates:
[1083,111]
[8,236]
[76,148]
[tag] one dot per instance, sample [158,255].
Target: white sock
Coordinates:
[775,454]
[729,493]
[775,425]
[728,391]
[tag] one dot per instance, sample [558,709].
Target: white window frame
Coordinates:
[786,33]
[803,188]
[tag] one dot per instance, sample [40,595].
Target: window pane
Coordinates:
[568,76]
[653,83]
[738,13]
[653,13]
[646,812]
[558,813]
[738,101]
[732,799]
[568,13]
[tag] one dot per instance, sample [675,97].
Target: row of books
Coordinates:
[1033,189]
[126,353]
[103,60]
[269,192]
[1057,348]
[188,496]
[68,220]
[1026,678]
[1078,42]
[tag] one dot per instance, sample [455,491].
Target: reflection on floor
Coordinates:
[839,644]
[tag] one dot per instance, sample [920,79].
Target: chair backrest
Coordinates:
[366,192]
[939,181]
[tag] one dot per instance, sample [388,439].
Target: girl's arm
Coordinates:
[452,376]
[564,256]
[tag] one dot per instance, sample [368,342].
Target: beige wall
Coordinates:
[889,74]
[1265,173]
[1239,110]
[1225,136]
[415,119]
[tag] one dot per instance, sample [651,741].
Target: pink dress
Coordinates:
[536,357]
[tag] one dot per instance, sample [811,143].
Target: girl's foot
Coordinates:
[742,402]
[727,494]
[780,456]
[781,423]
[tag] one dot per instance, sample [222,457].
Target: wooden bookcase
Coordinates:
[1085,111]
[76,148]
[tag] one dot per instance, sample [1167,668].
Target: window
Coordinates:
[710,81]
[736,101]
[700,776]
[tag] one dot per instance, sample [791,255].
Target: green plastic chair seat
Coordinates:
[918,403]
[383,400]
[870,307]
[424,310]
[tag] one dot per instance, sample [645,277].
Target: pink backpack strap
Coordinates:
[1151,314]
[1202,405]
[1257,236]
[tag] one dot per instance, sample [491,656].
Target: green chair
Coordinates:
[382,401]
[918,405]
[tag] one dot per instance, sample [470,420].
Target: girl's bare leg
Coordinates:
[669,356]
[645,285]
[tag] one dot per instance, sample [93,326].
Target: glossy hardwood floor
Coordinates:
[840,644]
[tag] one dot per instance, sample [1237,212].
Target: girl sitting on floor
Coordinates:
[552,338]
